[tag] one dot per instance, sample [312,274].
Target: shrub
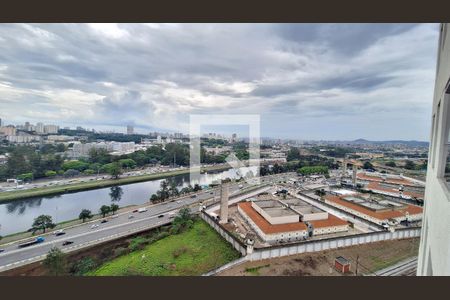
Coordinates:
[50,173]
[88,172]
[83,266]
[177,252]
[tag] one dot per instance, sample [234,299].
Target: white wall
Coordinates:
[434,255]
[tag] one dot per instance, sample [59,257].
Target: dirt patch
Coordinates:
[372,257]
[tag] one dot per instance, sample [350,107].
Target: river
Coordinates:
[18,215]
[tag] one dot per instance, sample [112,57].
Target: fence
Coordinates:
[303,246]
[227,266]
[234,241]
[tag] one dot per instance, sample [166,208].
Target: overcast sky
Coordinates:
[307,81]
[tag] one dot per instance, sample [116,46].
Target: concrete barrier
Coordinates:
[331,243]
[234,241]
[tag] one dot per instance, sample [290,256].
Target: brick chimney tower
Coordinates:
[224,201]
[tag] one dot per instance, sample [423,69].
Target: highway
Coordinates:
[120,225]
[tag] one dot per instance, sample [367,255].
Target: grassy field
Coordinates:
[46,191]
[193,252]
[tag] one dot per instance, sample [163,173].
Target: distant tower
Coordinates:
[354,174]
[130,129]
[224,202]
[344,161]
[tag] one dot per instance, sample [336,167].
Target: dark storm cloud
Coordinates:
[155,75]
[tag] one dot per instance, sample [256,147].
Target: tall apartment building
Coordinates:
[8,130]
[51,129]
[39,127]
[434,250]
[130,129]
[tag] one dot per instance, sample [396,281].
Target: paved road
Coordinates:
[120,225]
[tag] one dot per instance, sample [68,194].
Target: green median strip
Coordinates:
[97,184]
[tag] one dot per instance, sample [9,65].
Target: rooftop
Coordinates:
[382,187]
[268,228]
[387,213]
[388,179]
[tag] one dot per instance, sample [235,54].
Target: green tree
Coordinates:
[114,207]
[113,169]
[116,193]
[127,163]
[17,161]
[60,147]
[310,170]
[85,214]
[367,165]
[173,190]
[391,164]
[82,266]
[410,165]
[71,173]
[182,221]
[104,210]
[96,167]
[75,165]
[164,193]
[293,154]
[320,193]
[55,262]
[25,177]
[50,173]
[154,198]
[42,223]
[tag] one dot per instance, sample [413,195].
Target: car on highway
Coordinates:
[160,216]
[59,232]
[194,196]
[65,243]
[142,209]
[135,211]
[130,216]
[94,226]
[2,250]
[104,221]
[179,201]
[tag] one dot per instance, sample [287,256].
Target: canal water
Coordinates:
[18,215]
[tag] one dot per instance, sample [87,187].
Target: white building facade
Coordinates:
[434,250]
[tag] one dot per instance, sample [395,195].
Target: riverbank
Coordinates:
[61,225]
[98,184]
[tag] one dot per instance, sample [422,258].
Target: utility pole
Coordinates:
[357,265]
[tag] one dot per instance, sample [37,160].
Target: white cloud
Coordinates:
[155,75]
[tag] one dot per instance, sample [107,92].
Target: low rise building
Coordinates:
[280,221]
[374,210]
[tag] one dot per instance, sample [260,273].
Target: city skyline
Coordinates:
[307,81]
